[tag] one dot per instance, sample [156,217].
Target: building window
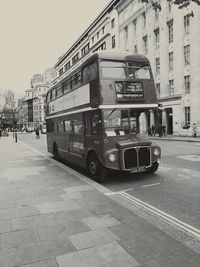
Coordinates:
[113,41]
[126,38]
[61,72]
[187,84]
[171,87]
[186,23]
[75,58]
[145,42]
[171,55]
[157,37]
[97,35]
[85,49]
[170,29]
[170,5]
[103,29]
[112,23]
[158,89]
[136,49]
[187,54]
[187,115]
[158,65]
[134,26]
[93,39]
[144,19]
[101,47]
[67,66]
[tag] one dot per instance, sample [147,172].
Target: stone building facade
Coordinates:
[169,38]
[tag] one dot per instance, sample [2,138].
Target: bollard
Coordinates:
[15,137]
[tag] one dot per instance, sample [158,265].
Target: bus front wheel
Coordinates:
[96,170]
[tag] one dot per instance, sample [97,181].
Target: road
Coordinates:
[174,188]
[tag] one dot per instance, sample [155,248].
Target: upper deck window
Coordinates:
[113,69]
[122,70]
[53,94]
[138,71]
[89,72]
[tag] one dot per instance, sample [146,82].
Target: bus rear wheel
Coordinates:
[153,168]
[96,170]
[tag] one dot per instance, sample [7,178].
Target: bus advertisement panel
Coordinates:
[92,115]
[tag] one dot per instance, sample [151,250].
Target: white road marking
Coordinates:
[190,157]
[186,177]
[118,192]
[170,219]
[149,185]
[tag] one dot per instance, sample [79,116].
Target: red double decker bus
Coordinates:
[92,115]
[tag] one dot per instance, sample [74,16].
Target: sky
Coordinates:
[34,33]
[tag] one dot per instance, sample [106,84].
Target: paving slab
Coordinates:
[102,256]
[93,238]
[18,238]
[57,206]
[101,221]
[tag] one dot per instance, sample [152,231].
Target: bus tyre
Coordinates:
[96,170]
[153,168]
[55,152]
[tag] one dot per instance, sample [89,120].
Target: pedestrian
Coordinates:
[0,133]
[160,130]
[153,130]
[194,129]
[149,131]
[37,133]
[164,130]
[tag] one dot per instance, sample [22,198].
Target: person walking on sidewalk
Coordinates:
[37,133]
[153,130]
[194,129]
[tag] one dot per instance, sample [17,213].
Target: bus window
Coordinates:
[89,73]
[53,94]
[138,72]
[113,69]
[96,123]
[59,92]
[67,86]
[76,80]
[67,126]
[77,126]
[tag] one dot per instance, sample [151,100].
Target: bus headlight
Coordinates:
[112,157]
[119,87]
[156,151]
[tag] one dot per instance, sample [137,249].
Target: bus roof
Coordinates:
[120,55]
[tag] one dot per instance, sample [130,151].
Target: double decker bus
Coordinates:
[92,115]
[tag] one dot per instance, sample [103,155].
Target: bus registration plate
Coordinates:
[139,169]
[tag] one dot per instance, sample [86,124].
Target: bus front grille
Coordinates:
[137,157]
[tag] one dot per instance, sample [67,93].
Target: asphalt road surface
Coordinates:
[174,189]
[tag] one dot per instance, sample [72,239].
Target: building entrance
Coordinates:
[169,113]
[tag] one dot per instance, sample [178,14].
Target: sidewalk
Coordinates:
[176,138]
[53,216]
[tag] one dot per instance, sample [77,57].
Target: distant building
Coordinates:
[34,100]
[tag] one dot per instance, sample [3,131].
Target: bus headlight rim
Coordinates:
[156,151]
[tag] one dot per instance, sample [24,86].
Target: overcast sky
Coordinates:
[34,33]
